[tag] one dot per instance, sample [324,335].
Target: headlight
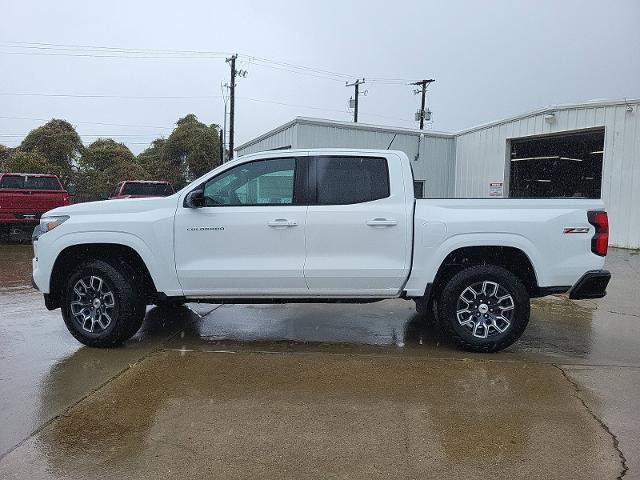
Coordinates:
[48,223]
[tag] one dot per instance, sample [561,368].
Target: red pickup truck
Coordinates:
[24,197]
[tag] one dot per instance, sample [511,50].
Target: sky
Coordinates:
[129,69]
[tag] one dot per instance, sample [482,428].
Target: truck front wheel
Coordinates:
[102,304]
[484,308]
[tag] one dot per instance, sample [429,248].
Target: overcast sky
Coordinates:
[490,59]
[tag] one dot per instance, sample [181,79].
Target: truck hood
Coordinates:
[123,205]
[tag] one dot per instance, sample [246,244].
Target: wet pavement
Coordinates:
[353,391]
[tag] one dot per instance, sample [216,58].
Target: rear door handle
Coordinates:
[381,222]
[282,223]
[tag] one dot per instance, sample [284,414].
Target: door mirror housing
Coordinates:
[194,199]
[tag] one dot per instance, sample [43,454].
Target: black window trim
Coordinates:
[300,183]
[313,179]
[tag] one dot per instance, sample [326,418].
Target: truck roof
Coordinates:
[145,181]
[51,175]
[294,151]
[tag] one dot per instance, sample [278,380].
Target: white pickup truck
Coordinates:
[328,225]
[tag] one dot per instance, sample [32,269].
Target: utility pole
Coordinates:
[232,92]
[353,102]
[423,84]
[221,152]
[225,99]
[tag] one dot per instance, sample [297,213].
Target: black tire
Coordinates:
[501,326]
[422,307]
[120,313]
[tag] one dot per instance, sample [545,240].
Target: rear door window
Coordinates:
[348,180]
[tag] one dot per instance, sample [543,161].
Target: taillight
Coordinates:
[600,240]
[65,199]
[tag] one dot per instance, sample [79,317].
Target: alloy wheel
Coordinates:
[485,308]
[93,304]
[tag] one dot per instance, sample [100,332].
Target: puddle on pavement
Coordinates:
[347,416]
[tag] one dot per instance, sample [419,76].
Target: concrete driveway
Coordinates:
[320,391]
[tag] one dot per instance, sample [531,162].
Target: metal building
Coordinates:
[581,150]
[432,152]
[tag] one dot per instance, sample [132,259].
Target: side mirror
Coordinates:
[194,199]
[71,190]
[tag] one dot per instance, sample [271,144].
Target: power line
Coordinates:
[39,119]
[100,51]
[18,142]
[44,45]
[129,97]
[93,135]
[93,55]
[160,97]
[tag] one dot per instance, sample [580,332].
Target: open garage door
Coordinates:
[557,166]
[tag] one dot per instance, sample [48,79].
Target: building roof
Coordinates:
[342,124]
[432,133]
[553,108]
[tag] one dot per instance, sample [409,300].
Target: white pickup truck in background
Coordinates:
[327,225]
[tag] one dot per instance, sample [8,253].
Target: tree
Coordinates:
[154,161]
[103,164]
[30,162]
[192,148]
[4,155]
[58,142]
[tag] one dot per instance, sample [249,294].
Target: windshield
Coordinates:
[27,182]
[148,189]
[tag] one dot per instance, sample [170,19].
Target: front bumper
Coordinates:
[592,284]
[49,300]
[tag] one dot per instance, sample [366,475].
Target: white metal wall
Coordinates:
[281,138]
[481,156]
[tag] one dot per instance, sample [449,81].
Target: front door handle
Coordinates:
[282,223]
[381,222]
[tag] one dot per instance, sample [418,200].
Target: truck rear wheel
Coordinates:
[102,304]
[484,308]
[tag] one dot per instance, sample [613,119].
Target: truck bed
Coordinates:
[554,233]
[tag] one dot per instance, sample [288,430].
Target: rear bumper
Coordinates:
[20,221]
[592,284]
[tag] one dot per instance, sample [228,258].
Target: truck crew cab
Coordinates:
[323,225]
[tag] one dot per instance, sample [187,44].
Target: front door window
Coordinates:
[265,182]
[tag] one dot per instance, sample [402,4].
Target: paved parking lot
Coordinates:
[318,391]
